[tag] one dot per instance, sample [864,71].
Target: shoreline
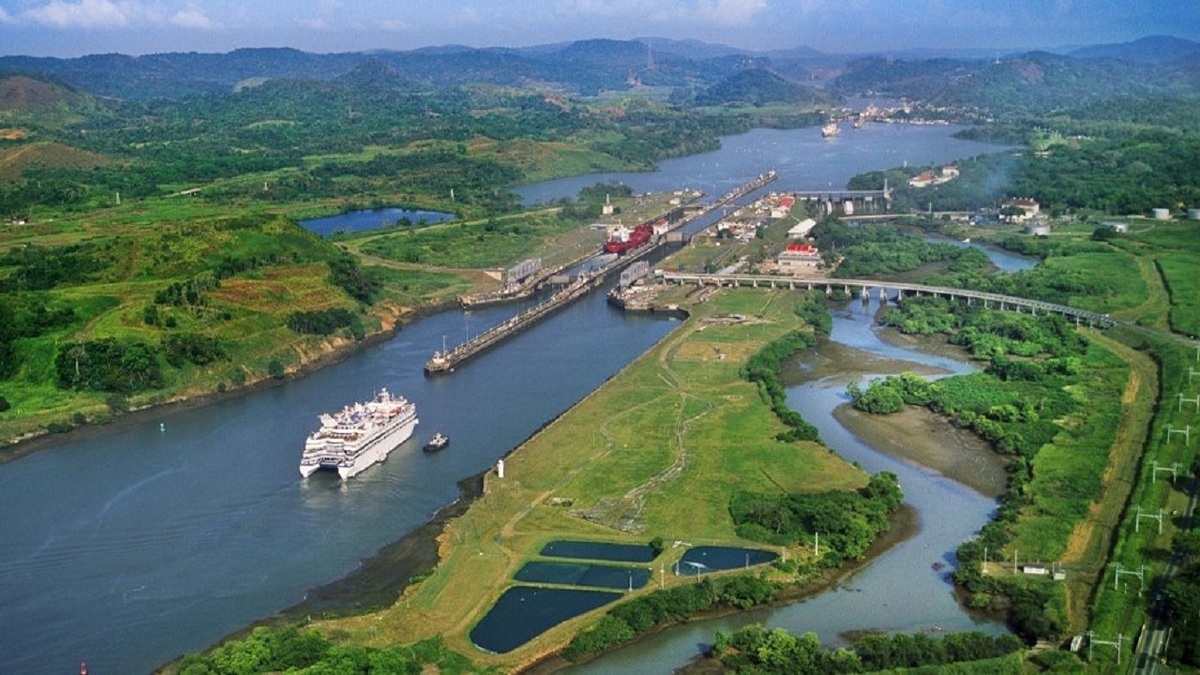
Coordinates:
[381,578]
[418,551]
[905,523]
[21,446]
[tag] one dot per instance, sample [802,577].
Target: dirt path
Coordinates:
[1157,306]
[1091,539]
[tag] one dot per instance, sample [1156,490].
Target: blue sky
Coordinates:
[77,27]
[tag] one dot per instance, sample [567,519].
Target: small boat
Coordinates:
[438,442]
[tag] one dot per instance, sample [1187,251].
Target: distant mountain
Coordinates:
[760,87]
[691,49]
[376,74]
[897,78]
[1033,80]
[175,74]
[1154,49]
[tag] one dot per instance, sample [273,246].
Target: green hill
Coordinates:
[759,87]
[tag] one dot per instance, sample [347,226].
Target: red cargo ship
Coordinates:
[636,237]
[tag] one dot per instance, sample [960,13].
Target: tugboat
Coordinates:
[438,442]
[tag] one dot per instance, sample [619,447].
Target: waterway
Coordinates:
[129,547]
[358,221]
[804,160]
[905,589]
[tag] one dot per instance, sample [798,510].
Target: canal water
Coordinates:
[129,547]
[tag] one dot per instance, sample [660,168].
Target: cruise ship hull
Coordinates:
[359,438]
[375,454]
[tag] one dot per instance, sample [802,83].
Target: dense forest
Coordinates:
[754,649]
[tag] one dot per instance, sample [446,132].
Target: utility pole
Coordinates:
[1137,521]
[1174,468]
[1186,431]
[1112,643]
[1194,401]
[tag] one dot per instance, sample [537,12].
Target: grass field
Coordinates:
[1182,280]
[658,451]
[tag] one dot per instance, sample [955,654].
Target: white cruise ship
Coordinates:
[358,436]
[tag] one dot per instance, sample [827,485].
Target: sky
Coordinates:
[67,28]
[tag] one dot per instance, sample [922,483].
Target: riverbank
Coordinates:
[632,460]
[905,523]
[929,440]
[15,448]
[629,462]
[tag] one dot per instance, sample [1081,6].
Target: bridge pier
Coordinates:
[865,295]
[828,289]
[883,299]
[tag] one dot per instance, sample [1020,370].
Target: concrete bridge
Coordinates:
[863,288]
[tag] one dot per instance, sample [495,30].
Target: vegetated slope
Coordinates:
[31,106]
[1034,82]
[759,87]
[584,67]
[17,159]
[24,95]
[1151,49]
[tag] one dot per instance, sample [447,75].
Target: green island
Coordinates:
[152,255]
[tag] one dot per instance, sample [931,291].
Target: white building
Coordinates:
[799,258]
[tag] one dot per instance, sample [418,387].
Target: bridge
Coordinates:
[863,288]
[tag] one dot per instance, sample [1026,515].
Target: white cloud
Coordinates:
[82,14]
[192,18]
[105,14]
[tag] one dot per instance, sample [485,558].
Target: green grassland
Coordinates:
[1068,473]
[256,267]
[103,274]
[1182,280]
[658,451]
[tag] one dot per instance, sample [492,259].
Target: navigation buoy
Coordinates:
[162,426]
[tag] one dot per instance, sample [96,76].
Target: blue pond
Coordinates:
[578,574]
[357,221]
[704,559]
[524,612]
[592,550]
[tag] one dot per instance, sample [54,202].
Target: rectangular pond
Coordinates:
[594,550]
[524,612]
[704,559]
[579,574]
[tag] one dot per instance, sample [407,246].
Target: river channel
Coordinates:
[158,537]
